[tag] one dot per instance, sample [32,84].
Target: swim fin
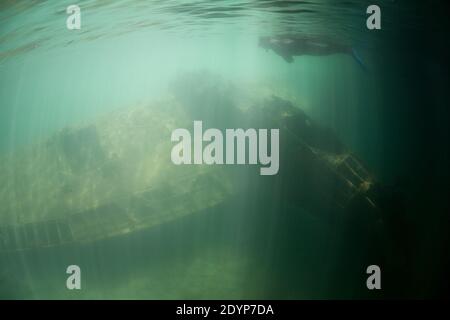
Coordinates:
[358,59]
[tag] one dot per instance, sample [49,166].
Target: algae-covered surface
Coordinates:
[103,179]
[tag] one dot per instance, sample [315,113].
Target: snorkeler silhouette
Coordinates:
[288,46]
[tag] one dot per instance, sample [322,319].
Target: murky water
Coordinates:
[85,126]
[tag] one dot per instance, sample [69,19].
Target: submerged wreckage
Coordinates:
[115,176]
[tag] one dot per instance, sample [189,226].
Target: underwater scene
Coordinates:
[178,149]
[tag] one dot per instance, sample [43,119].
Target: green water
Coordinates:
[255,245]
